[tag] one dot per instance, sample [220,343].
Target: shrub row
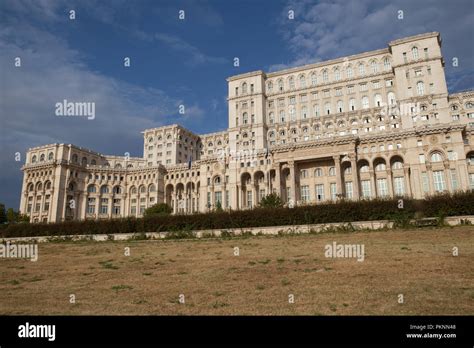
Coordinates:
[343,211]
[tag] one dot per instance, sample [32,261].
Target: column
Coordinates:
[292,181]
[337,163]
[390,183]
[373,186]
[406,171]
[278,180]
[355,178]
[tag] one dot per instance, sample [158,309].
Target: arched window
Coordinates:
[245,118]
[270,86]
[352,104]
[365,102]
[244,88]
[84,161]
[436,157]
[118,165]
[361,69]
[50,156]
[280,85]
[378,100]
[117,190]
[304,112]
[314,79]
[318,172]
[150,139]
[337,74]
[271,134]
[325,76]
[133,190]
[142,189]
[217,180]
[282,133]
[373,66]
[386,64]
[152,188]
[291,82]
[397,164]
[42,157]
[391,98]
[93,162]
[420,88]
[380,167]
[469,105]
[104,189]
[470,159]
[282,116]
[332,171]
[302,81]
[364,168]
[327,108]
[414,52]
[349,72]
[348,170]
[340,105]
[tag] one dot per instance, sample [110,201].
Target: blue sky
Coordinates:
[177,62]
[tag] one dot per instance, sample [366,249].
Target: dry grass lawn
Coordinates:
[416,263]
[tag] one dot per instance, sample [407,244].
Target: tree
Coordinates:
[3,215]
[159,209]
[271,201]
[12,216]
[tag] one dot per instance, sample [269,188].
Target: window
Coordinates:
[391,98]
[280,85]
[399,187]
[397,164]
[337,74]
[414,52]
[327,108]
[302,81]
[352,106]
[471,181]
[91,205]
[316,110]
[420,88]
[332,171]
[282,116]
[361,69]
[304,173]
[421,157]
[366,192]
[104,189]
[291,82]
[373,67]
[244,88]
[270,86]
[339,106]
[454,179]
[314,79]
[386,64]
[378,100]
[104,206]
[365,102]
[425,183]
[245,118]
[333,190]
[91,189]
[218,198]
[249,199]
[319,189]
[271,118]
[436,157]
[348,186]
[349,72]
[305,193]
[438,181]
[325,76]
[363,87]
[318,172]
[382,187]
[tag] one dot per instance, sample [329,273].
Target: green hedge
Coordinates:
[343,211]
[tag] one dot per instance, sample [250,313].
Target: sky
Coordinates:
[177,61]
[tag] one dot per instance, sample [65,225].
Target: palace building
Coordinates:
[374,124]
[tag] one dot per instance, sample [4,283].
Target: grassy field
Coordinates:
[416,263]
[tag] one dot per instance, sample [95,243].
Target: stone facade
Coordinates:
[375,124]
